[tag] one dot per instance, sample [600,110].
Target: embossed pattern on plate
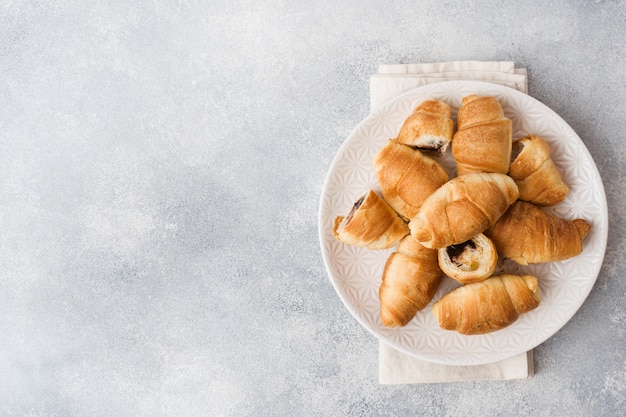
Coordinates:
[356,272]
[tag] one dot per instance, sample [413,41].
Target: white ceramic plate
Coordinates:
[356,272]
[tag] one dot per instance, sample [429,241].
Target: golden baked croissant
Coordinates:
[410,279]
[483,140]
[534,172]
[371,223]
[406,177]
[429,127]
[527,234]
[462,208]
[471,261]
[487,306]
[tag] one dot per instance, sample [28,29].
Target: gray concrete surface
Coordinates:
[161,165]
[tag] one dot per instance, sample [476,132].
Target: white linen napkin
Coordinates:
[392,80]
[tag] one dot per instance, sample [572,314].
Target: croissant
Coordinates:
[410,279]
[406,177]
[371,223]
[534,172]
[487,306]
[429,127]
[483,140]
[527,234]
[462,208]
[471,261]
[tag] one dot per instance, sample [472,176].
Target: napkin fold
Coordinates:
[398,368]
[392,80]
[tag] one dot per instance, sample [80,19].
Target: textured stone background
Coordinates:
[160,171]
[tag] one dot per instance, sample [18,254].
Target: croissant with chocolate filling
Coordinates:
[429,127]
[410,279]
[487,306]
[406,177]
[471,261]
[528,235]
[371,223]
[483,140]
[534,172]
[462,208]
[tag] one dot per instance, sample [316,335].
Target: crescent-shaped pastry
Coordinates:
[462,208]
[371,223]
[527,234]
[407,177]
[429,127]
[471,261]
[487,306]
[409,281]
[483,140]
[534,172]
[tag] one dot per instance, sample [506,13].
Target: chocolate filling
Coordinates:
[433,147]
[355,207]
[516,149]
[455,250]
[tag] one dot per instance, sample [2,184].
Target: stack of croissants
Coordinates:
[460,226]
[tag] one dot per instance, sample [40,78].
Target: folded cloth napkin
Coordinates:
[392,80]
